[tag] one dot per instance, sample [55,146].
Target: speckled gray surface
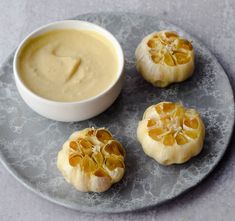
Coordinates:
[146,183]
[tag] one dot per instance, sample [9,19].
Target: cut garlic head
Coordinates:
[92,160]
[164,57]
[171,133]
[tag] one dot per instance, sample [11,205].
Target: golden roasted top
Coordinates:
[96,153]
[172,123]
[166,47]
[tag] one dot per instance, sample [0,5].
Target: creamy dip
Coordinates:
[68,65]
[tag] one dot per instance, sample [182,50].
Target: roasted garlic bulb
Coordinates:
[92,160]
[171,133]
[164,57]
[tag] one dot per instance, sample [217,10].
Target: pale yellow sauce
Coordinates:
[68,65]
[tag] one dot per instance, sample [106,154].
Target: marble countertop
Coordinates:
[211,21]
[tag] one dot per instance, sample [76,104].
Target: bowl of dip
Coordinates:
[69,70]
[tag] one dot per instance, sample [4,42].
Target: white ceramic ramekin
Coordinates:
[71,111]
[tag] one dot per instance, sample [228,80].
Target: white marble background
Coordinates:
[212,21]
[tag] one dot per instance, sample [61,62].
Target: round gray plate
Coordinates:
[29,143]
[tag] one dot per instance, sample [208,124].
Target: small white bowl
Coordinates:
[71,111]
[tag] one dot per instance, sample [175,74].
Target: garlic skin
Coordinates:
[184,140]
[153,52]
[84,160]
